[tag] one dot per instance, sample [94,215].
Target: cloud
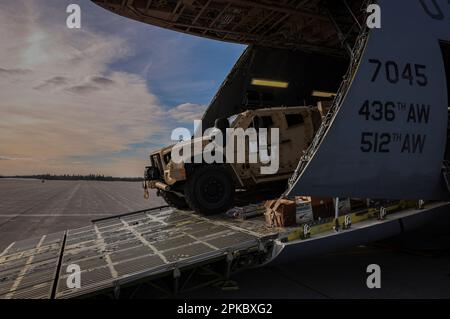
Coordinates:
[95,83]
[102,81]
[83,89]
[11,158]
[187,112]
[91,93]
[13,72]
[54,82]
[60,98]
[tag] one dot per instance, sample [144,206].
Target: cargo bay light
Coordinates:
[299,48]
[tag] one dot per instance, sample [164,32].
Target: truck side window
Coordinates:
[294,119]
[265,121]
[262,122]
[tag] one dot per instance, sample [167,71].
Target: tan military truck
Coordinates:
[213,188]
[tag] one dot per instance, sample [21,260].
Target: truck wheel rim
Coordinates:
[213,190]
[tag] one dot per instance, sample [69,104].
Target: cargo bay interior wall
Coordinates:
[445,48]
[299,73]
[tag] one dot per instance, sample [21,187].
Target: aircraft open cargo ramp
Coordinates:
[123,251]
[117,251]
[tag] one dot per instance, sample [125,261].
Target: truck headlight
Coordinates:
[151,173]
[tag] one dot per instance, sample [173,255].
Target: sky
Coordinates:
[100,98]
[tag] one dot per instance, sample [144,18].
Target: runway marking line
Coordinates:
[24,271]
[161,220]
[144,241]
[7,249]
[108,260]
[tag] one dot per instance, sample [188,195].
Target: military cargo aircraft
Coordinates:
[386,134]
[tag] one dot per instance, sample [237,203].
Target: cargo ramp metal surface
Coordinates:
[117,251]
[160,244]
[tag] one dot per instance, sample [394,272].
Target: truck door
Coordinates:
[262,121]
[295,137]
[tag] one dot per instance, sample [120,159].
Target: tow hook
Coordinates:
[146,192]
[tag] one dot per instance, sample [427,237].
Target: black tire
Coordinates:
[210,190]
[174,200]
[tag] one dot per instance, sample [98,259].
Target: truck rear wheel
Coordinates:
[210,190]
[174,200]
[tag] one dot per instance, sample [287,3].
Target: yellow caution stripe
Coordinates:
[357,217]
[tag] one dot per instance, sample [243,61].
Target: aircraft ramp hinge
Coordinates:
[446,173]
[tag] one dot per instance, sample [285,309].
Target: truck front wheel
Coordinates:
[174,200]
[210,190]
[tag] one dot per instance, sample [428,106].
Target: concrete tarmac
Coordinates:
[30,208]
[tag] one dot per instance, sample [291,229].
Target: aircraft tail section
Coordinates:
[385,136]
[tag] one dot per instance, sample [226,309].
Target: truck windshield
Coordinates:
[232,119]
